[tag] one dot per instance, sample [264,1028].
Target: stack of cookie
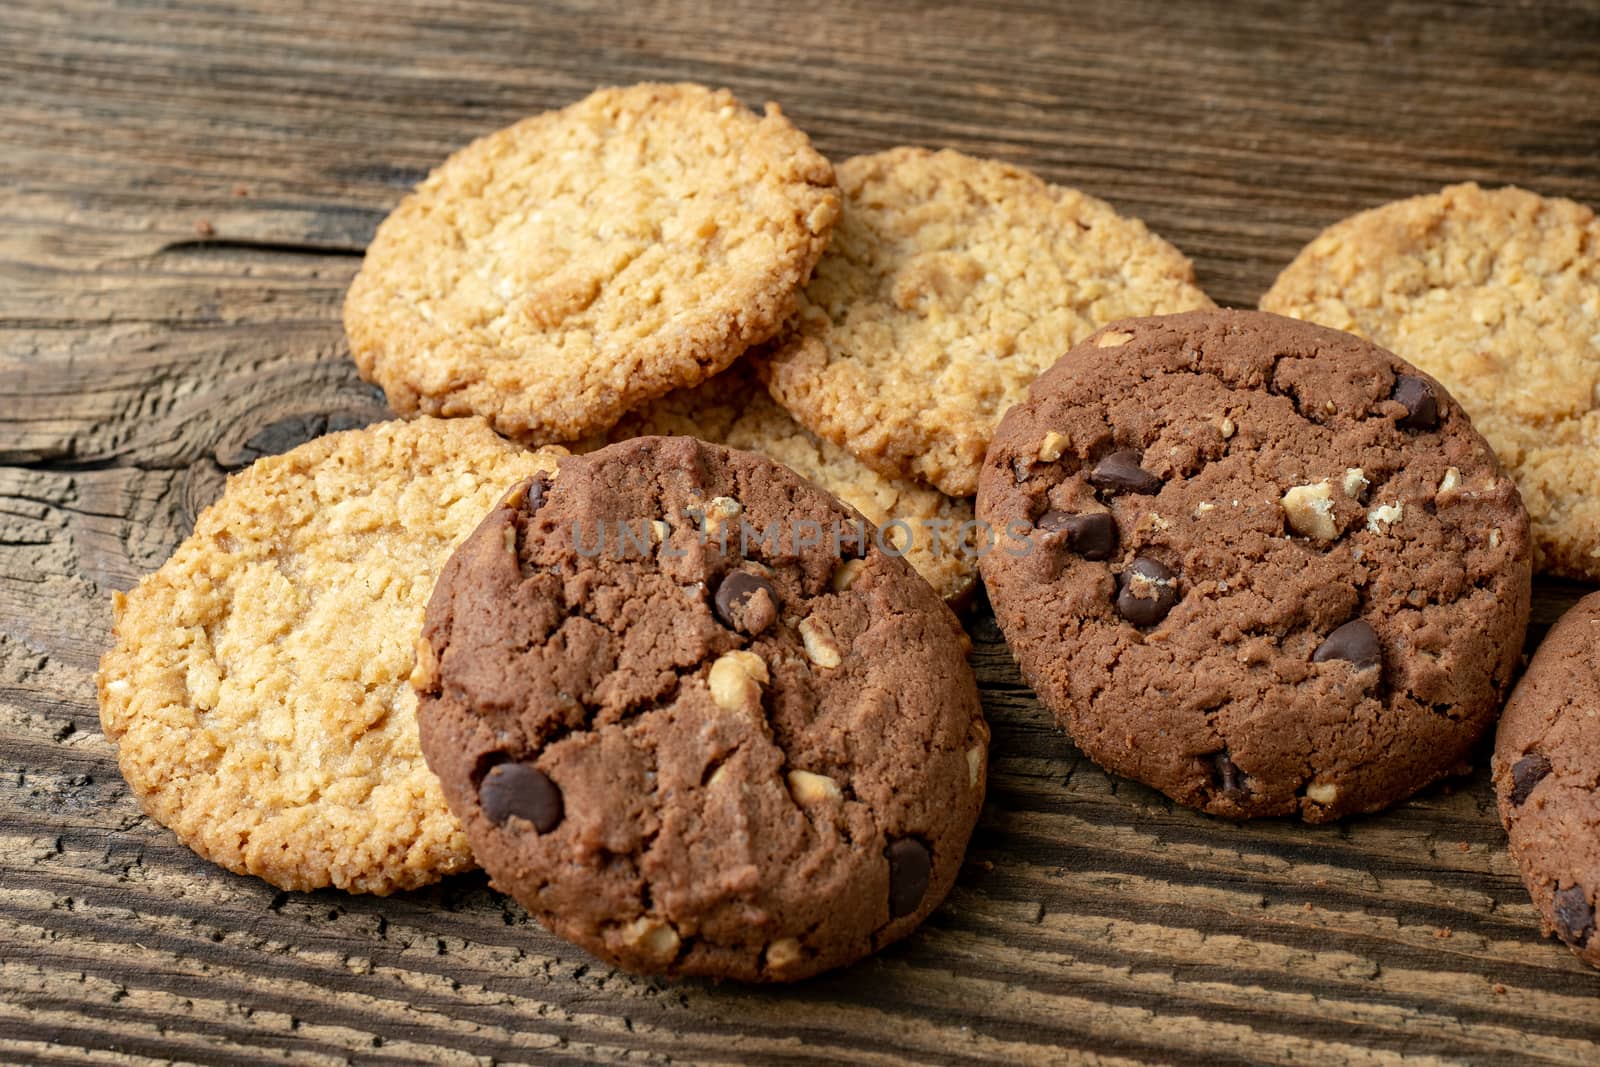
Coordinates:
[757,756]
[558,278]
[692,691]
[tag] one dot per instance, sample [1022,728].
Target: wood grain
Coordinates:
[186,192]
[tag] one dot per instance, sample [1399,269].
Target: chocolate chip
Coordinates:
[1120,472]
[533,498]
[1422,407]
[1574,916]
[910,865]
[1228,778]
[1092,535]
[1526,773]
[1146,591]
[526,792]
[1355,641]
[746,602]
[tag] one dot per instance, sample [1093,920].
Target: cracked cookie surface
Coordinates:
[552,274]
[1547,777]
[257,687]
[733,409]
[1497,293]
[951,283]
[1263,566]
[755,763]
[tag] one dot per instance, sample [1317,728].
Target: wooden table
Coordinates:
[187,190]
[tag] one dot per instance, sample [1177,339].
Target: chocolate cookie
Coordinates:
[552,274]
[1547,775]
[694,718]
[1496,291]
[257,688]
[1263,566]
[950,284]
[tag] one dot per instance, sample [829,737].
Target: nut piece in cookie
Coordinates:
[1309,509]
[677,743]
[1252,608]
[736,679]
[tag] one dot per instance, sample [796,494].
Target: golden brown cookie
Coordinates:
[554,274]
[732,409]
[257,687]
[951,283]
[1497,294]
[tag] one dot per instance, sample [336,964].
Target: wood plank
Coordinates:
[187,189]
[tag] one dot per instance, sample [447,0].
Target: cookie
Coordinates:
[1263,566]
[934,532]
[689,748]
[1547,777]
[257,687]
[1497,294]
[553,274]
[951,283]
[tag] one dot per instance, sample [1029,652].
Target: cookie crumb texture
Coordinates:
[1314,579]
[1497,293]
[733,409]
[761,772]
[1547,776]
[257,687]
[951,283]
[553,274]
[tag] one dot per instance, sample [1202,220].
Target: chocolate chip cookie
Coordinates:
[1547,775]
[1497,292]
[696,720]
[551,275]
[257,687]
[950,284]
[933,531]
[1263,566]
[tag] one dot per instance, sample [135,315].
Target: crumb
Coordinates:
[1443,933]
[1499,989]
[1320,882]
[1308,906]
[1465,846]
[204,228]
[241,190]
[987,865]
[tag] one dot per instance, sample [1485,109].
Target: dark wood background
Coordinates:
[185,191]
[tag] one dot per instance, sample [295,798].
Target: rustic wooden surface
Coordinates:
[185,191]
